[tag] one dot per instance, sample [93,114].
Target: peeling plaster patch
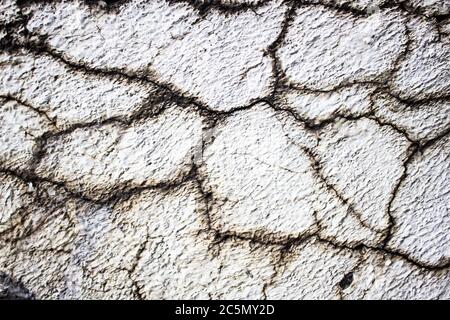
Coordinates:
[99,160]
[46,276]
[324,49]
[421,207]
[165,258]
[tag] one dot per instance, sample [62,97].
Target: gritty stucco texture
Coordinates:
[232,149]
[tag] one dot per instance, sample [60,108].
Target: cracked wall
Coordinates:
[234,149]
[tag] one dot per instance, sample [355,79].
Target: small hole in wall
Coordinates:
[346,281]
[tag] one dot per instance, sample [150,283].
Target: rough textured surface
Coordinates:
[324,48]
[234,149]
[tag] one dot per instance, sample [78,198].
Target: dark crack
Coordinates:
[346,281]
[40,112]
[286,244]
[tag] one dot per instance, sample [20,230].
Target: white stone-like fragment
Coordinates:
[422,122]
[421,207]
[312,272]
[68,96]
[14,197]
[262,180]
[98,160]
[219,59]
[363,161]
[318,107]
[324,48]
[20,129]
[425,71]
